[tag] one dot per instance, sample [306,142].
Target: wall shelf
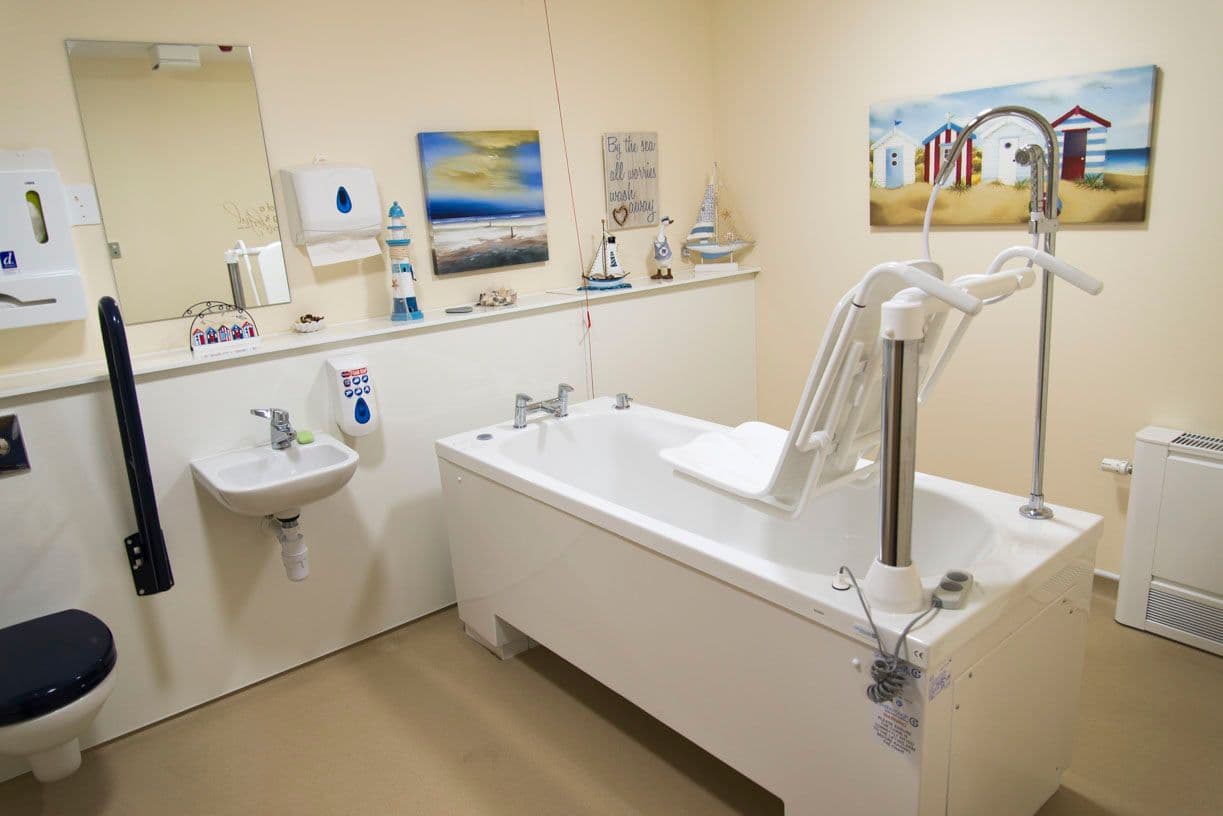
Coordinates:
[289,342]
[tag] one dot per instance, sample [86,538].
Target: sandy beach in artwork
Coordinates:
[1121,198]
[463,245]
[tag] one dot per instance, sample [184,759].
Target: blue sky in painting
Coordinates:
[1123,97]
[465,179]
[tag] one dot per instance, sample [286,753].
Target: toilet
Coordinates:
[57,671]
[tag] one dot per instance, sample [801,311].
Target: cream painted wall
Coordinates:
[171,181]
[797,78]
[357,82]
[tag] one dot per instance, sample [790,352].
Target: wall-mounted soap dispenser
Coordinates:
[354,399]
[40,281]
[333,211]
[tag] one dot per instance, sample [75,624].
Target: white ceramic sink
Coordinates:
[261,481]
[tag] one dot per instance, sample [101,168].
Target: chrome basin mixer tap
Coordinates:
[558,407]
[282,432]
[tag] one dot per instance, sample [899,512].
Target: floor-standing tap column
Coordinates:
[898,451]
[1043,222]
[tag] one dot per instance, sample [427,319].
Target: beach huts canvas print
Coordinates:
[484,195]
[1103,126]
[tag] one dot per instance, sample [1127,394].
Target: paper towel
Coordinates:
[343,249]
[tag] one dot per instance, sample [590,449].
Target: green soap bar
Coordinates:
[305,437]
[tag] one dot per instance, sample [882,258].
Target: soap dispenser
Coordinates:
[354,401]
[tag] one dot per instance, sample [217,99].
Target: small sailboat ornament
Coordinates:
[714,238]
[605,271]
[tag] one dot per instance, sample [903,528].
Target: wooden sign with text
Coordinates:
[630,179]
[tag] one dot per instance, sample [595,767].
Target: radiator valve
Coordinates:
[1122,466]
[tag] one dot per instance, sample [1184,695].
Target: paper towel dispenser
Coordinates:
[40,281]
[333,210]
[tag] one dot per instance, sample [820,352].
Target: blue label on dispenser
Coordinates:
[8,259]
[343,202]
[362,412]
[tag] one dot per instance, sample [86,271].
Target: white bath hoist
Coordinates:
[887,670]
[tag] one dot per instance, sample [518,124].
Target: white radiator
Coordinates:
[1172,569]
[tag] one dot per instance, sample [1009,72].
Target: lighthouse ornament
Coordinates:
[662,252]
[403,279]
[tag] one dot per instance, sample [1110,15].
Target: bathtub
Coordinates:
[719,617]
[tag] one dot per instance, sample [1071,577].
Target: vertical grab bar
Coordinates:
[146,548]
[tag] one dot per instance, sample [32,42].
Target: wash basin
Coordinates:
[261,481]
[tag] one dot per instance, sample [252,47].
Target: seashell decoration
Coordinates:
[497,297]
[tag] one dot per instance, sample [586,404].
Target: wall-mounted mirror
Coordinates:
[181,170]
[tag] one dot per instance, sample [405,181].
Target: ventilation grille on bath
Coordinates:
[1059,583]
[1184,614]
[1199,442]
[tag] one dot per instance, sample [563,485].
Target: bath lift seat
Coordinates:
[838,418]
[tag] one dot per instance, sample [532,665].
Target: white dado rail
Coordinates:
[49,379]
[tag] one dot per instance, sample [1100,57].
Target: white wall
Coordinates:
[357,85]
[357,81]
[378,550]
[798,79]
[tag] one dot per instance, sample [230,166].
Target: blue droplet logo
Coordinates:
[343,202]
[362,411]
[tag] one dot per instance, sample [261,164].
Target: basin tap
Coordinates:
[558,407]
[282,432]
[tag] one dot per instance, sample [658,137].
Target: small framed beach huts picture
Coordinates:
[484,196]
[1103,126]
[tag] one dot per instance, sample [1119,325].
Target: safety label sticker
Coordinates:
[940,680]
[896,729]
[896,722]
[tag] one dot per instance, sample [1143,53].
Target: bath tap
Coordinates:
[559,407]
[1045,172]
[282,432]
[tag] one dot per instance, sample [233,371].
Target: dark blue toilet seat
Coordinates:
[49,662]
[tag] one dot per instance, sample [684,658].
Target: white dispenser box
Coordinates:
[333,211]
[354,399]
[40,281]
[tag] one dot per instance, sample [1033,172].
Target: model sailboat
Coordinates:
[714,238]
[605,271]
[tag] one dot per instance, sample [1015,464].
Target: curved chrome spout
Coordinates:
[1044,222]
[1052,169]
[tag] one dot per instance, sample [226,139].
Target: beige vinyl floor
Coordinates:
[421,720]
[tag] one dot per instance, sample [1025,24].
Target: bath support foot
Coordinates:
[512,642]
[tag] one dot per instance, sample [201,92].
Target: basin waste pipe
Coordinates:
[293,550]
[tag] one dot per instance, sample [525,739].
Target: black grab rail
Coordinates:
[146,548]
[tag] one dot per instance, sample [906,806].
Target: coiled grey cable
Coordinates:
[886,670]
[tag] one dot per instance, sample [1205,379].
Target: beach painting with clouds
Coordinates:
[1103,126]
[484,194]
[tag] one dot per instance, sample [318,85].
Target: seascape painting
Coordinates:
[484,195]
[1103,125]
